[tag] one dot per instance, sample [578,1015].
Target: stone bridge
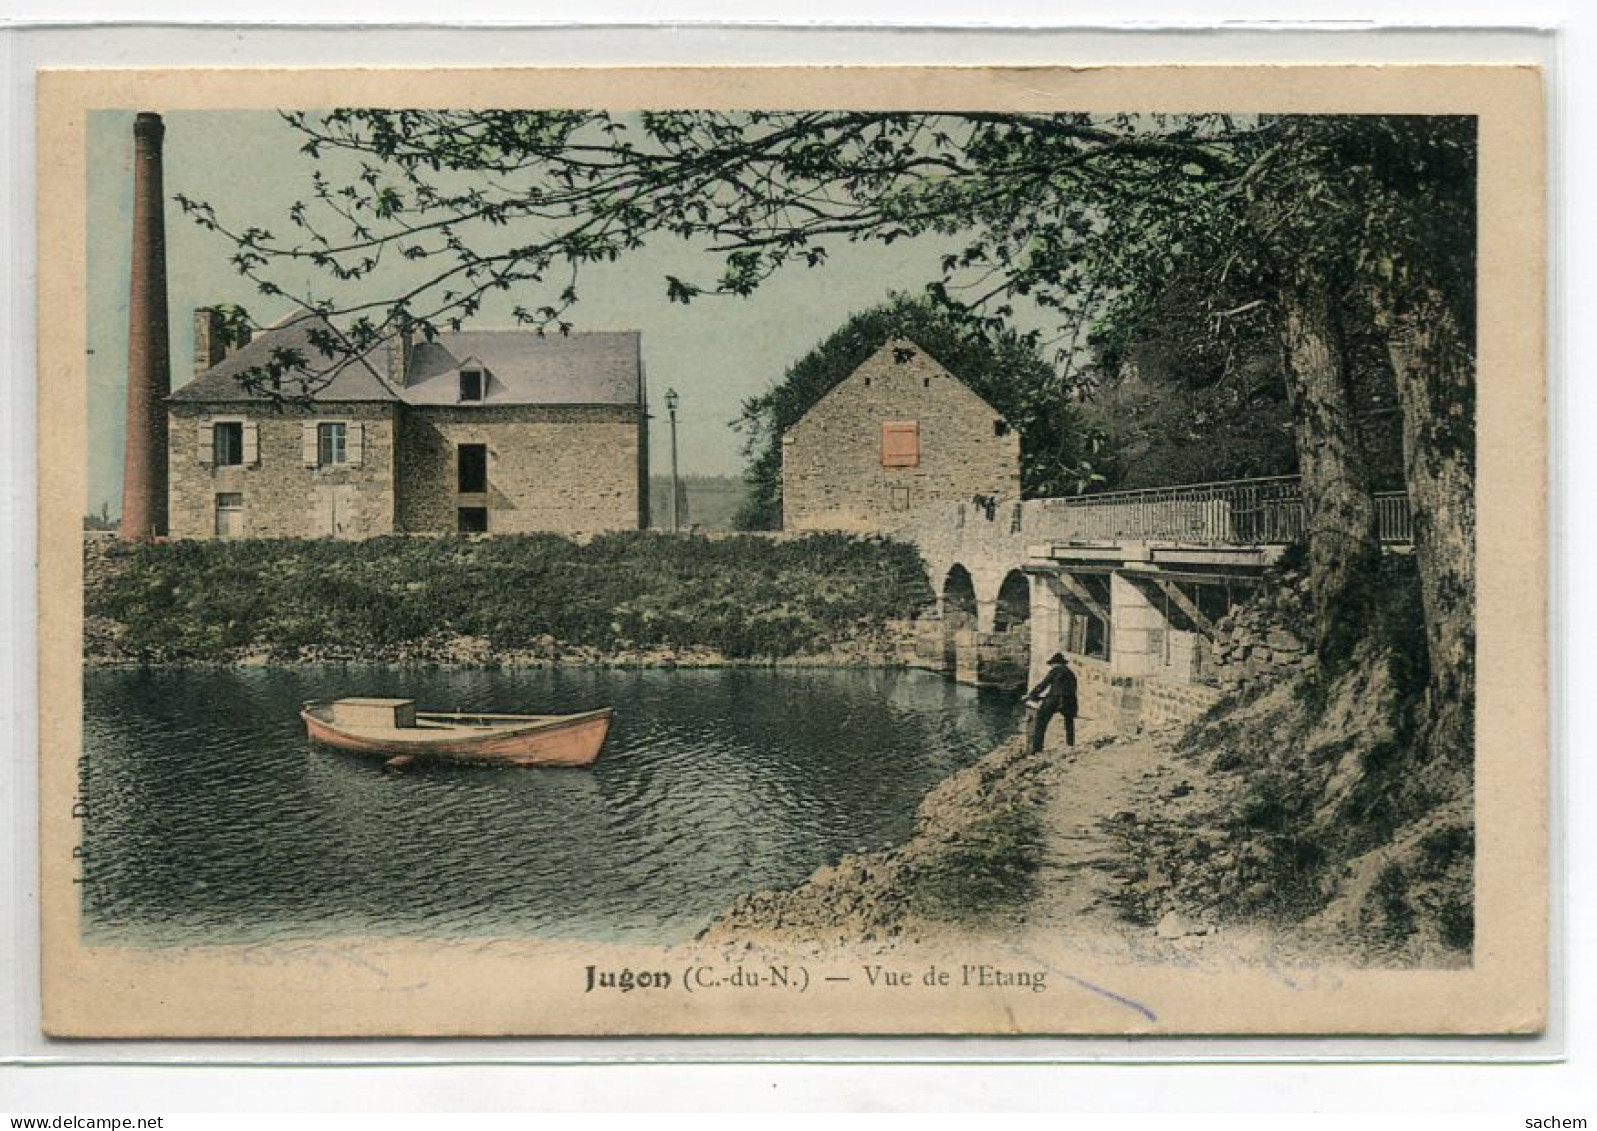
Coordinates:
[1129,585]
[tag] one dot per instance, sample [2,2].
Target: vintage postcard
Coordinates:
[717,551]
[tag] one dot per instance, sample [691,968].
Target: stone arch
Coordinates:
[959,617]
[1005,660]
[1013,608]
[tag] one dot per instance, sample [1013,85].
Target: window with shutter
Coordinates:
[901,444]
[252,443]
[205,443]
[355,452]
[227,439]
[332,444]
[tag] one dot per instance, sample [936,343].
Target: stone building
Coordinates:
[898,433]
[476,431]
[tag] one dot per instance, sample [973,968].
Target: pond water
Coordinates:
[211,819]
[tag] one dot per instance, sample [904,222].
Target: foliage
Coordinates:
[744,596]
[1188,360]
[1000,365]
[1158,238]
[1321,227]
[1095,217]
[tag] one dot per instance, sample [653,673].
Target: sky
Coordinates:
[715,352]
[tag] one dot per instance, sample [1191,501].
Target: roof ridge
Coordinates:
[536,334]
[380,377]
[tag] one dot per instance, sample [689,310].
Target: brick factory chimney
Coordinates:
[149,364]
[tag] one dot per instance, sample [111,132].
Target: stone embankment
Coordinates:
[102,648]
[1267,640]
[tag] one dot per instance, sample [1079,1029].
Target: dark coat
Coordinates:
[1057,689]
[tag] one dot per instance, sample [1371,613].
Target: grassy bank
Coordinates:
[398,598]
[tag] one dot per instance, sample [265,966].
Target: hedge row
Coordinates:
[742,596]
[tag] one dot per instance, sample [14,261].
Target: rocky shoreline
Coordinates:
[977,824]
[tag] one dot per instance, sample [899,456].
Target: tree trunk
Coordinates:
[1339,509]
[1435,371]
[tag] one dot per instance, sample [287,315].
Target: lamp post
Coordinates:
[671,402]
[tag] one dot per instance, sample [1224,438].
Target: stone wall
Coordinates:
[833,476]
[1112,701]
[1120,704]
[565,469]
[1175,704]
[1269,638]
[281,497]
[1003,659]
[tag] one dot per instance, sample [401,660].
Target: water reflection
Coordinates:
[211,818]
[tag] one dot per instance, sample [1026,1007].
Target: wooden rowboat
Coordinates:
[395,730]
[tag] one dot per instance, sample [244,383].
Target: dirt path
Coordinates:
[1083,865]
[1095,895]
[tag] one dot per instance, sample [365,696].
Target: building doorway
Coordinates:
[230,515]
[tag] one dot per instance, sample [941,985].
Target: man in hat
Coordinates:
[1054,695]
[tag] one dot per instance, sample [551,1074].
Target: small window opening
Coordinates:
[472,520]
[472,382]
[1000,427]
[472,466]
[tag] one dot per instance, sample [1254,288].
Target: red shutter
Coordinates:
[901,443]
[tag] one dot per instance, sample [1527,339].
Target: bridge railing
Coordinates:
[1237,512]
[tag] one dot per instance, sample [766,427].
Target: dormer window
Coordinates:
[473,383]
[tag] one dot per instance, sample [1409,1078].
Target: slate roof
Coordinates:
[592,368]
[355,379]
[523,369]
